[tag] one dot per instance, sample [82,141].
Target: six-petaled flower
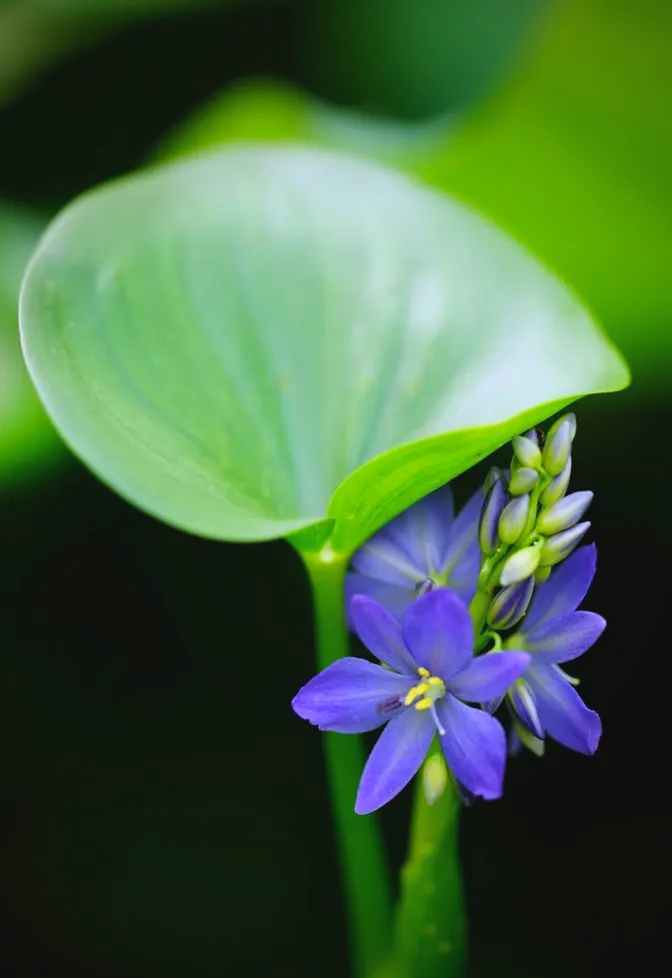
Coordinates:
[427,677]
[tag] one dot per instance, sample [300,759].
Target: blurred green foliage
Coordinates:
[27,438]
[575,156]
[266,109]
[413,58]
[572,155]
[35,33]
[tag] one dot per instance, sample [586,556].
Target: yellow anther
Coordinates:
[426,693]
[424,704]
[416,691]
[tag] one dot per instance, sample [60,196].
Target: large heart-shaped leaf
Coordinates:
[229,340]
[26,436]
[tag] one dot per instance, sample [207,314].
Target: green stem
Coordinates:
[430,932]
[529,534]
[480,603]
[360,845]
[478,609]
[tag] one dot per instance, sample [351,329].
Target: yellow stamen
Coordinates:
[435,681]
[423,672]
[424,704]
[416,691]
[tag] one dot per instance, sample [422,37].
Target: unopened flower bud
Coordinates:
[509,606]
[565,513]
[495,501]
[558,445]
[520,565]
[522,480]
[493,475]
[512,520]
[434,777]
[570,418]
[533,435]
[557,487]
[559,546]
[527,452]
[525,707]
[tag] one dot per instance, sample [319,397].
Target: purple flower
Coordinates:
[423,547]
[544,700]
[427,672]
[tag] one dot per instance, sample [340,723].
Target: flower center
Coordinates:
[427,692]
[422,587]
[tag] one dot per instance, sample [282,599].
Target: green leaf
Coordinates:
[227,340]
[27,438]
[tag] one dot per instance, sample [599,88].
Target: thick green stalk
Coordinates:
[430,932]
[360,846]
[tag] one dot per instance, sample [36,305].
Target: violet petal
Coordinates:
[396,757]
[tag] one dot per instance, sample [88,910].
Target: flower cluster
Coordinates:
[465,614]
[531,515]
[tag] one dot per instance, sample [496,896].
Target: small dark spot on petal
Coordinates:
[388,706]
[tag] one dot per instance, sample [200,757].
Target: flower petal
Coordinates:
[382,634]
[566,638]
[562,712]
[393,597]
[474,746]
[423,529]
[397,756]
[489,676]
[466,796]
[351,696]
[461,559]
[382,558]
[565,589]
[408,549]
[493,705]
[438,633]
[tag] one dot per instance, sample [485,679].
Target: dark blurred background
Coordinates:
[155,824]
